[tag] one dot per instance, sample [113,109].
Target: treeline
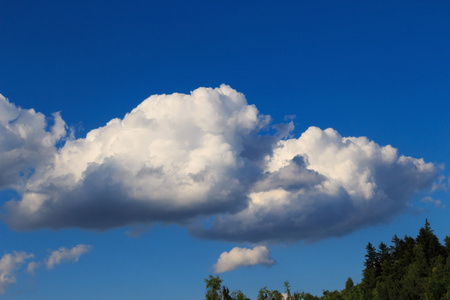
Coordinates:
[410,268]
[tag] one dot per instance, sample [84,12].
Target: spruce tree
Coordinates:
[369,280]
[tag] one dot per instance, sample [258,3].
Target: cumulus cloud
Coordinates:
[322,185]
[63,255]
[172,158]
[9,263]
[26,141]
[242,257]
[181,157]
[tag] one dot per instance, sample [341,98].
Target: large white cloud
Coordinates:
[9,263]
[172,158]
[242,257]
[177,158]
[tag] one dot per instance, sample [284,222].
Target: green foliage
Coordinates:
[349,285]
[334,295]
[265,294]
[225,294]
[408,269]
[308,296]
[287,290]
[213,288]
[238,295]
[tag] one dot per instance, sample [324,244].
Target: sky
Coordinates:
[145,145]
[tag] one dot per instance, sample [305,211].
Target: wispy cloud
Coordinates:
[32,266]
[442,183]
[64,255]
[9,263]
[242,257]
[177,158]
[435,202]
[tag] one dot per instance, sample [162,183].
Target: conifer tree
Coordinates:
[429,243]
[409,269]
[369,280]
[349,284]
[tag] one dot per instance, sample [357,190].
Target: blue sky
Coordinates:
[375,69]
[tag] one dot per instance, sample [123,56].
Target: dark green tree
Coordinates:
[225,294]
[349,285]
[334,295]
[238,295]
[408,269]
[447,245]
[266,294]
[436,283]
[370,272]
[263,294]
[287,290]
[213,288]
[429,242]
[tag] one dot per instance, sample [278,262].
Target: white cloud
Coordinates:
[322,185]
[242,257]
[9,263]
[32,266]
[441,184]
[63,254]
[26,141]
[435,202]
[178,158]
[174,157]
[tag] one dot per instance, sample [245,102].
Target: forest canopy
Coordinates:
[408,268]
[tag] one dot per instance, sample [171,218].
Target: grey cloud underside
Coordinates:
[309,214]
[294,176]
[180,158]
[313,219]
[102,202]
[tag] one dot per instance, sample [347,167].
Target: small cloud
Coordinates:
[64,254]
[9,263]
[289,117]
[32,266]
[138,230]
[440,184]
[435,202]
[242,257]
